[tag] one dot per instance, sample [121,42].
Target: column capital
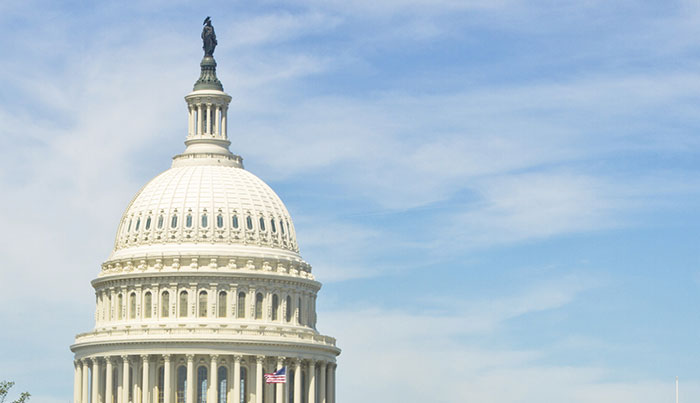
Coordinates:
[214,357]
[190,357]
[237,358]
[145,357]
[166,358]
[312,363]
[259,358]
[280,360]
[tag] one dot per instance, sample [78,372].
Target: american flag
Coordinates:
[279,376]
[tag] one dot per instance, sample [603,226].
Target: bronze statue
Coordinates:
[208,37]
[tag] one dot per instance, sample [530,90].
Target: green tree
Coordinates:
[5,389]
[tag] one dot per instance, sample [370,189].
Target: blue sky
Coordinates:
[500,197]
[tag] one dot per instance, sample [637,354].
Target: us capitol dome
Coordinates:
[205,291]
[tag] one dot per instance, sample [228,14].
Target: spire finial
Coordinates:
[207,79]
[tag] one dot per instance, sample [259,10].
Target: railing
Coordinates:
[198,332]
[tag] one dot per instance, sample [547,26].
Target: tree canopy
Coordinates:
[5,389]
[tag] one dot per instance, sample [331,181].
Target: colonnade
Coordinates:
[200,378]
[207,119]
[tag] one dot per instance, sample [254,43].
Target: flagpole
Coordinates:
[676,389]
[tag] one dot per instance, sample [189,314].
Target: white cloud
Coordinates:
[401,356]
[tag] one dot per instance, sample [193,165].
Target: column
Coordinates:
[84,398]
[108,380]
[280,386]
[297,381]
[236,379]
[126,382]
[322,383]
[207,127]
[190,120]
[216,119]
[190,379]
[95,380]
[259,378]
[199,119]
[77,378]
[213,379]
[145,392]
[331,396]
[166,378]
[223,127]
[312,382]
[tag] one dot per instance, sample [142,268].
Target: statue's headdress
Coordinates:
[208,19]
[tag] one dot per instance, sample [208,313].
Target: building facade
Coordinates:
[205,290]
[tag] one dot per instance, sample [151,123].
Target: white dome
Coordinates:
[211,204]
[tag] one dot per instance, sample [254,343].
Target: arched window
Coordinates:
[222,388]
[181,383]
[183,304]
[205,221]
[244,385]
[235,221]
[120,306]
[249,222]
[165,304]
[290,387]
[132,305]
[289,309]
[275,306]
[109,309]
[147,304]
[160,384]
[301,321]
[148,223]
[241,305]
[203,304]
[188,221]
[202,384]
[274,227]
[304,394]
[173,221]
[258,306]
[138,224]
[222,304]
[129,227]
[219,221]
[262,224]
[131,384]
[160,221]
[282,227]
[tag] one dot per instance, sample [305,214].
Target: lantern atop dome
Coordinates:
[207,132]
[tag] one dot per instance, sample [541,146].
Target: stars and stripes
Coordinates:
[279,376]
